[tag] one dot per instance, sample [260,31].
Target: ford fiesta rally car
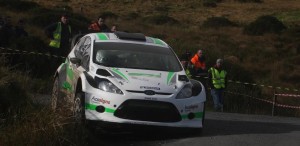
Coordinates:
[128,78]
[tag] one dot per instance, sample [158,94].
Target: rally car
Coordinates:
[128,78]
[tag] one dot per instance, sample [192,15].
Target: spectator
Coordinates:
[198,63]
[99,26]
[185,61]
[114,28]
[19,29]
[217,82]
[2,22]
[60,35]
[6,32]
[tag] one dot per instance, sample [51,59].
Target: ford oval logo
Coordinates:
[149,92]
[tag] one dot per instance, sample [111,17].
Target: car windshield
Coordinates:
[136,56]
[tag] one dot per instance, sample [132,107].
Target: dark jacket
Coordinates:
[65,33]
[6,33]
[95,27]
[20,32]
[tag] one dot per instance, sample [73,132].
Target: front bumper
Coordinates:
[138,110]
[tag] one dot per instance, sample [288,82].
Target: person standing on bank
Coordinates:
[98,26]
[217,83]
[199,65]
[114,28]
[60,35]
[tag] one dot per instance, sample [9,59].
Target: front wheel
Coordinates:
[79,108]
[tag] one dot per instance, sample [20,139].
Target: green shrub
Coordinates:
[18,5]
[109,14]
[210,4]
[162,8]
[264,24]
[12,96]
[77,22]
[39,10]
[12,93]
[37,125]
[215,22]
[132,16]
[38,65]
[45,19]
[248,1]
[30,43]
[63,8]
[160,19]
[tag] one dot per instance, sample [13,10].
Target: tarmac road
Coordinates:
[221,129]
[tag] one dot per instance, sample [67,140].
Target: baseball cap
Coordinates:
[219,61]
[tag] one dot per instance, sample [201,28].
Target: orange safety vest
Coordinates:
[94,27]
[197,63]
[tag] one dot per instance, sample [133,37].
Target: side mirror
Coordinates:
[75,60]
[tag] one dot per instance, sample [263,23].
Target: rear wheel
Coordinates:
[56,95]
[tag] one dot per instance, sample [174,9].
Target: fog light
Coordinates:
[191,116]
[100,109]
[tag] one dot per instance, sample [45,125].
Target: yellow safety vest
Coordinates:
[57,36]
[218,78]
[188,73]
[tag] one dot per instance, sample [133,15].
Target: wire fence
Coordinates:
[239,96]
[256,98]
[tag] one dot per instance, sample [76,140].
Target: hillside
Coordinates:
[259,40]
[270,58]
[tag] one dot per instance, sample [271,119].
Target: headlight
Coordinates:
[108,86]
[186,92]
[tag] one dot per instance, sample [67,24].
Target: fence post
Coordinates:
[274,103]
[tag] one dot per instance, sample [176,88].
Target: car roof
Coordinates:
[128,37]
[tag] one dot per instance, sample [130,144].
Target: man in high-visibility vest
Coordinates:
[60,35]
[217,83]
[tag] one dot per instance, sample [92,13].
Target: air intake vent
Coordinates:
[131,36]
[103,72]
[145,110]
[183,78]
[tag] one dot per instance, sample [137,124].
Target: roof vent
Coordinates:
[130,36]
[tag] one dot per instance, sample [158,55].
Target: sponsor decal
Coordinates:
[191,107]
[145,75]
[149,88]
[118,74]
[141,79]
[100,100]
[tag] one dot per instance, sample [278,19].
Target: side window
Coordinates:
[86,53]
[80,44]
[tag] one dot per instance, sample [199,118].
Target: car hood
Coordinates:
[141,80]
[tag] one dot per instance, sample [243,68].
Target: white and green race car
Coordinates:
[128,78]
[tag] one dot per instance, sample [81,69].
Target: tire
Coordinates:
[79,108]
[199,131]
[56,95]
[203,115]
